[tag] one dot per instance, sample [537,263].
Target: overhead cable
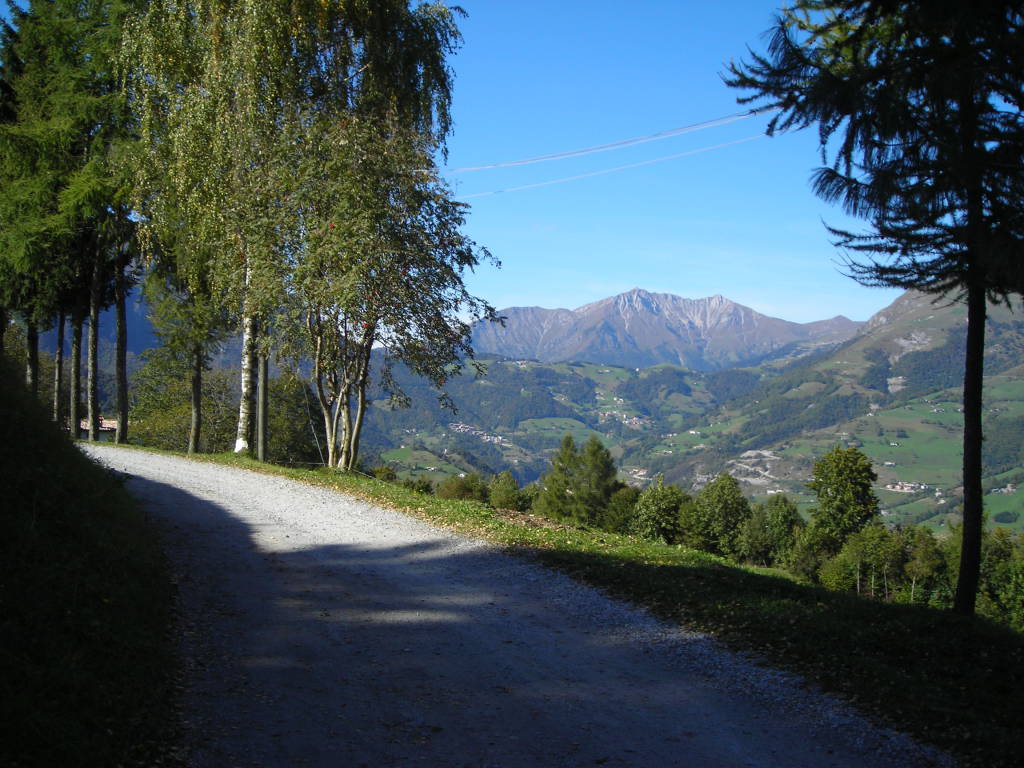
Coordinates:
[611,170]
[666,134]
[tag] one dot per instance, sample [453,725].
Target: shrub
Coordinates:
[656,514]
[468,487]
[420,484]
[385,473]
[617,517]
[504,493]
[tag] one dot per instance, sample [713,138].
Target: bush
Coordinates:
[504,493]
[617,517]
[420,484]
[468,487]
[656,514]
[384,473]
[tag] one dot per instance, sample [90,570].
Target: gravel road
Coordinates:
[320,630]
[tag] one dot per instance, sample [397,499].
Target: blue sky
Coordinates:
[536,77]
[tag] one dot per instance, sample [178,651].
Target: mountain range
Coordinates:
[757,397]
[639,329]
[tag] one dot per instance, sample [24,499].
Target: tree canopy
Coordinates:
[841,481]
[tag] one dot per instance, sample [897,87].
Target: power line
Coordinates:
[666,134]
[611,170]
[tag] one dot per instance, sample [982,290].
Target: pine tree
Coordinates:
[66,226]
[920,105]
[557,498]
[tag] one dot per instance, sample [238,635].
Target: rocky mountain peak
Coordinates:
[640,328]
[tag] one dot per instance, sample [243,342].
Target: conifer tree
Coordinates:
[557,498]
[62,203]
[580,483]
[920,106]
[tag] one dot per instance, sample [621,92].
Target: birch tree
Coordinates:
[218,86]
[379,265]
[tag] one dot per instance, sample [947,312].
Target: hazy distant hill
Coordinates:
[641,329]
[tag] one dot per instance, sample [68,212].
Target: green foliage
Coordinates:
[618,515]
[869,560]
[1010,594]
[924,563]
[654,387]
[812,547]
[656,513]
[291,435]
[61,188]
[768,535]
[470,487]
[932,370]
[1002,449]
[714,522]
[731,384]
[842,481]
[557,498]
[504,493]
[84,631]
[580,484]
[161,410]
[419,484]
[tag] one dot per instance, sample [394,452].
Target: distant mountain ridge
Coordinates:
[641,329]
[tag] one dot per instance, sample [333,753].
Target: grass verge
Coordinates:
[86,663]
[949,681]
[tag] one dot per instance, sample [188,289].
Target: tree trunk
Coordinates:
[243,437]
[345,409]
[196,428]
[262,404]
[75,376]
[330,413]
[32,358]
[357,427]
[93,363]
[121,353]
[974,368]
[4,320]
[58,369]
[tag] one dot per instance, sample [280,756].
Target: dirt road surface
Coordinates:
[320,630]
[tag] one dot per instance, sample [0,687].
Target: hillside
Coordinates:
[892,389]
[889,386]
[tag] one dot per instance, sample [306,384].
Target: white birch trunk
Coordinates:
[242,436]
